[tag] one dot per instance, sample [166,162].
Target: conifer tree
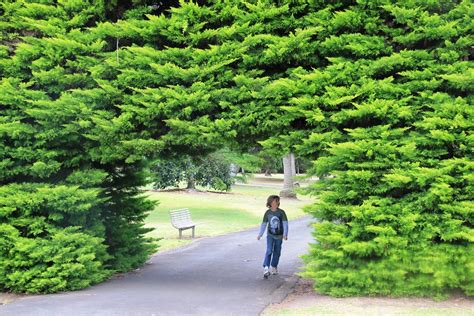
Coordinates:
[393,122]
[70,210]
[377,92]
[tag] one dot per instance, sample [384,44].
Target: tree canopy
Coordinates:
[377,93]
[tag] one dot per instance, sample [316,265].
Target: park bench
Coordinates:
[181,220]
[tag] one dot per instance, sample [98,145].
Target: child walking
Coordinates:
[277,222]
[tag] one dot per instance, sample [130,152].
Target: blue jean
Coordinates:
[273,252]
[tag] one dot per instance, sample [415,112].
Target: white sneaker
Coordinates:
[274,270]
[266,272]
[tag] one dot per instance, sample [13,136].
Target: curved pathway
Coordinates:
[212,276]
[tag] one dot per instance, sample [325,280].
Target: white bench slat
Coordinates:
[181,220]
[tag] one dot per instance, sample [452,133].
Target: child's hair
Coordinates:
[272,198]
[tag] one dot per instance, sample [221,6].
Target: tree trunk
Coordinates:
[234,169]
[191,184]
[293,170]
[292,164]
[288,188]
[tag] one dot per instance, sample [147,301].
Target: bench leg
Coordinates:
[193,232]
[180,233]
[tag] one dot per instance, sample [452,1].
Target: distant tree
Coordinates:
[270,163]
[212,171]
[247,161]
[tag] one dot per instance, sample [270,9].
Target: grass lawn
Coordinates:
[216,213]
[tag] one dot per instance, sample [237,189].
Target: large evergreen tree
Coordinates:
[70,207]
[394,127]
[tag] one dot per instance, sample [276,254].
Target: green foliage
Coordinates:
[211,171]
[214,172]
[376,93]
[395,136]
[70,207]
[170,172]
[250,161]
[65,260]
[51,239]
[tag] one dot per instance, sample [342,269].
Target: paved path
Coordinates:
[212,276]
